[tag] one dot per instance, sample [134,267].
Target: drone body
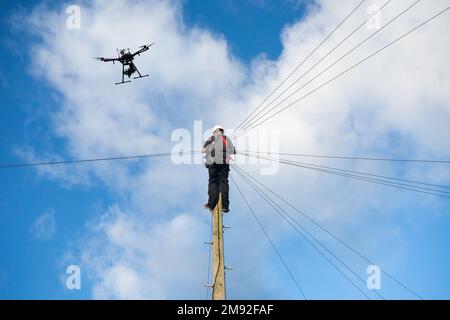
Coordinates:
[126,59]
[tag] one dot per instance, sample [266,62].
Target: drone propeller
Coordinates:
[147,45]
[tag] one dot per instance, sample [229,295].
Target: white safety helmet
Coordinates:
[218,127]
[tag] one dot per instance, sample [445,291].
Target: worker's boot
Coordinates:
[206,206]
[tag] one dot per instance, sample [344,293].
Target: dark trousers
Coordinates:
[218,182]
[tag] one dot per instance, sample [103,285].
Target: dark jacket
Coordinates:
[219,148]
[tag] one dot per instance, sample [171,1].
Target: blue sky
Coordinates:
[34,268]
[30,268]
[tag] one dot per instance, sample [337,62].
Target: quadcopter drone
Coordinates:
[126,59]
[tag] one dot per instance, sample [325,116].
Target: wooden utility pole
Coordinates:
[218,267]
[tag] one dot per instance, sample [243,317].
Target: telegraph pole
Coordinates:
[218,266]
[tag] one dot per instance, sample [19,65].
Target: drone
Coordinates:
[126,59]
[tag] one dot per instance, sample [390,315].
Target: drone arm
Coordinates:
[143,49]
[107,59]
[140,51]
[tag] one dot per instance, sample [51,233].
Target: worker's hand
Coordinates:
[204,150]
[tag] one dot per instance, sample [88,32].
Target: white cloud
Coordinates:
[396,104]
[44,227]
[132,258]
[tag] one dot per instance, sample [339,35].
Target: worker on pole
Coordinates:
[218,149]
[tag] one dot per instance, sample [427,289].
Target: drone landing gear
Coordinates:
[123,76]
[122,82]
[141,76]
[129,72]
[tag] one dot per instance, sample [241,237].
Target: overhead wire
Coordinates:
[284,214]
[278,254]
[359,177]
[245,125]
[327,231]
[76,161]
[351,157]
[302,62]
[335,62]
[254,125]
[368,174]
